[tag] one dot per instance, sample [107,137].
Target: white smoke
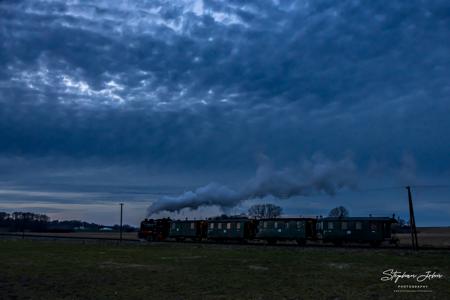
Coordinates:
[211,194]
[318,175]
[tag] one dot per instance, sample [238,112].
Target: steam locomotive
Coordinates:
[336,230]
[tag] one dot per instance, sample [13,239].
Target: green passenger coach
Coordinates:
[231,229]
[282,229]
[191,229]
[373,230]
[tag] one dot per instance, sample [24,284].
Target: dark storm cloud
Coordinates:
[212,84]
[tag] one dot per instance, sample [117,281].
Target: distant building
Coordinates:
[105,229]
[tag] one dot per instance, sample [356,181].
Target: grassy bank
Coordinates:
[65,270]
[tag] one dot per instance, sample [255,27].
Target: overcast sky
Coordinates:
[109,101]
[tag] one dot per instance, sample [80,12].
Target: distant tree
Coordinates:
[17,215]
[4,220]
[401,222]
[27,221]
[339,211]
[4,216]
[265,211]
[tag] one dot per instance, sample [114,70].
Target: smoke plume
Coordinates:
[318,175]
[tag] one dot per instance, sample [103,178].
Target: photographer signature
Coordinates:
[394,275]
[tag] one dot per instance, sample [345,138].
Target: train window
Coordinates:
[265,224]
[173,225]
[192,225]
[211,226]
[228,225]
[287,225]
[238,225]
[299,224]
[275,224]
[219,225]
[358,225]
[344,226]
[330,225]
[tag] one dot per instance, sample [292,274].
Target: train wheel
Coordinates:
[301,242]
[375,244]
[395,242]
[337,243]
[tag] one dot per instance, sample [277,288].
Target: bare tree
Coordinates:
[265,211]
[401,222]
[4,216]
[339,211]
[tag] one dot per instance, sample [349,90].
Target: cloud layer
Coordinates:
[207,86]
[212,82]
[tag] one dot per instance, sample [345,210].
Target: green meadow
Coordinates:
[94,270]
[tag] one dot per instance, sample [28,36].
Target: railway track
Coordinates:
[208,242]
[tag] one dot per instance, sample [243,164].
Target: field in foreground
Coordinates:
[75,270]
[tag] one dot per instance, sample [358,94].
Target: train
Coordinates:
[333,230]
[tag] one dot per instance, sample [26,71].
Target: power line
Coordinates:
[381,188]
[431,186]
[398,187]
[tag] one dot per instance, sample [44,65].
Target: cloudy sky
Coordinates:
[109,101]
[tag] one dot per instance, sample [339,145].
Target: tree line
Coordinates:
[269,210]
[32,222]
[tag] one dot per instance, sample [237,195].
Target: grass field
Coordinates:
[429,236]
[76,270]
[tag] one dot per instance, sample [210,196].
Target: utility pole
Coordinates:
[412,221]
[23,226]
[121,218]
